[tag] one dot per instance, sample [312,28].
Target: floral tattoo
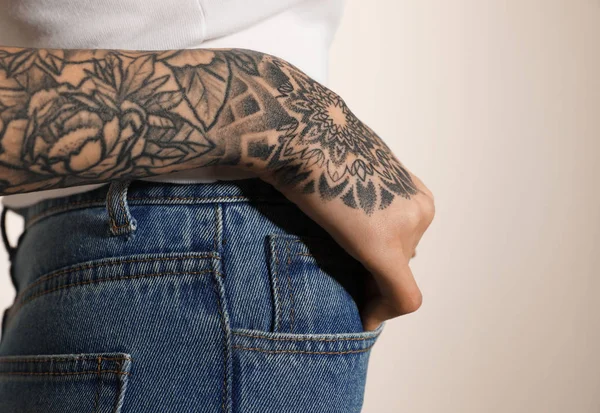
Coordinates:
[69,117]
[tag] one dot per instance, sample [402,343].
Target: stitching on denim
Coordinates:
[67,373]
[122,383]
[305,254]
[218,227]
[107,264]
[262,350]
[191,198]
[317,339]
[118,227]
[289,282]
[220,292]
[62,287]
[47,359]
[215,241]
[126,277]
[110,198]
[122,198]
[277,301]
[97,397]
[226,354]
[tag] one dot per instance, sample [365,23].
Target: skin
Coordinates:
[74,117]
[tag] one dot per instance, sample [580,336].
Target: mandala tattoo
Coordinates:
[353,162]
[70,117]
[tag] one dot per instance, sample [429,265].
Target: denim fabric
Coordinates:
[153,297]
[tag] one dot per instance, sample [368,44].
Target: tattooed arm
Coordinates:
[70,117]
[73,117]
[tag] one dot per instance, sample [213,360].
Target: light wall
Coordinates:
[496,106]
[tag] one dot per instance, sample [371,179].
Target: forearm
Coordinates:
[73,117]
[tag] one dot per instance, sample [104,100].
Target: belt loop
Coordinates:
[120,220]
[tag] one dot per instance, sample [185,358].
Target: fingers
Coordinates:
[374,313]
[399,293]
[402,289]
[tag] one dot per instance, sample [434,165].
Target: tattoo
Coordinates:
[70,117]
[353,162]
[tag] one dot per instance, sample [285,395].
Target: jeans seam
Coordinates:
[289,282]
[122,197]
[219,289]
[215,199]
[315,339]
[99,385]
[58,273]
[218,237]
[262,350]
[110,198]
[276,294]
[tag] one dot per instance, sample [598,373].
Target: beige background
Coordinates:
[495,104]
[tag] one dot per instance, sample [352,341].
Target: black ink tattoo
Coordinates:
[70,117]
[347,155]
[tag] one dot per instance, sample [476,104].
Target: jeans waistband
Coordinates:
[118,195]
[127,219]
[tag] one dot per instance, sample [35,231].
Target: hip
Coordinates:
[161,297]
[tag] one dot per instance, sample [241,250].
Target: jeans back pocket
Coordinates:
[315,357]
[92,382]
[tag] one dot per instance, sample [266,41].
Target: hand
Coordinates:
[73,117]
[342,175]
[383,241]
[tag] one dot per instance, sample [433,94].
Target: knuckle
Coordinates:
[411,302]
[413,215]
[421,211]
[428,209]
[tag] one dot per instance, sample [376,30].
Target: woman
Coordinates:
[208,227]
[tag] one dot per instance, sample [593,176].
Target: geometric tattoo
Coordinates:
[72,117]
[353,162]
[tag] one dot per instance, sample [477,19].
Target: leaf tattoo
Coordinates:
[205,86]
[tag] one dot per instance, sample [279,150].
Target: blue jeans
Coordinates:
[146,297]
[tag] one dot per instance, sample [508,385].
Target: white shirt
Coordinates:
[299,31]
